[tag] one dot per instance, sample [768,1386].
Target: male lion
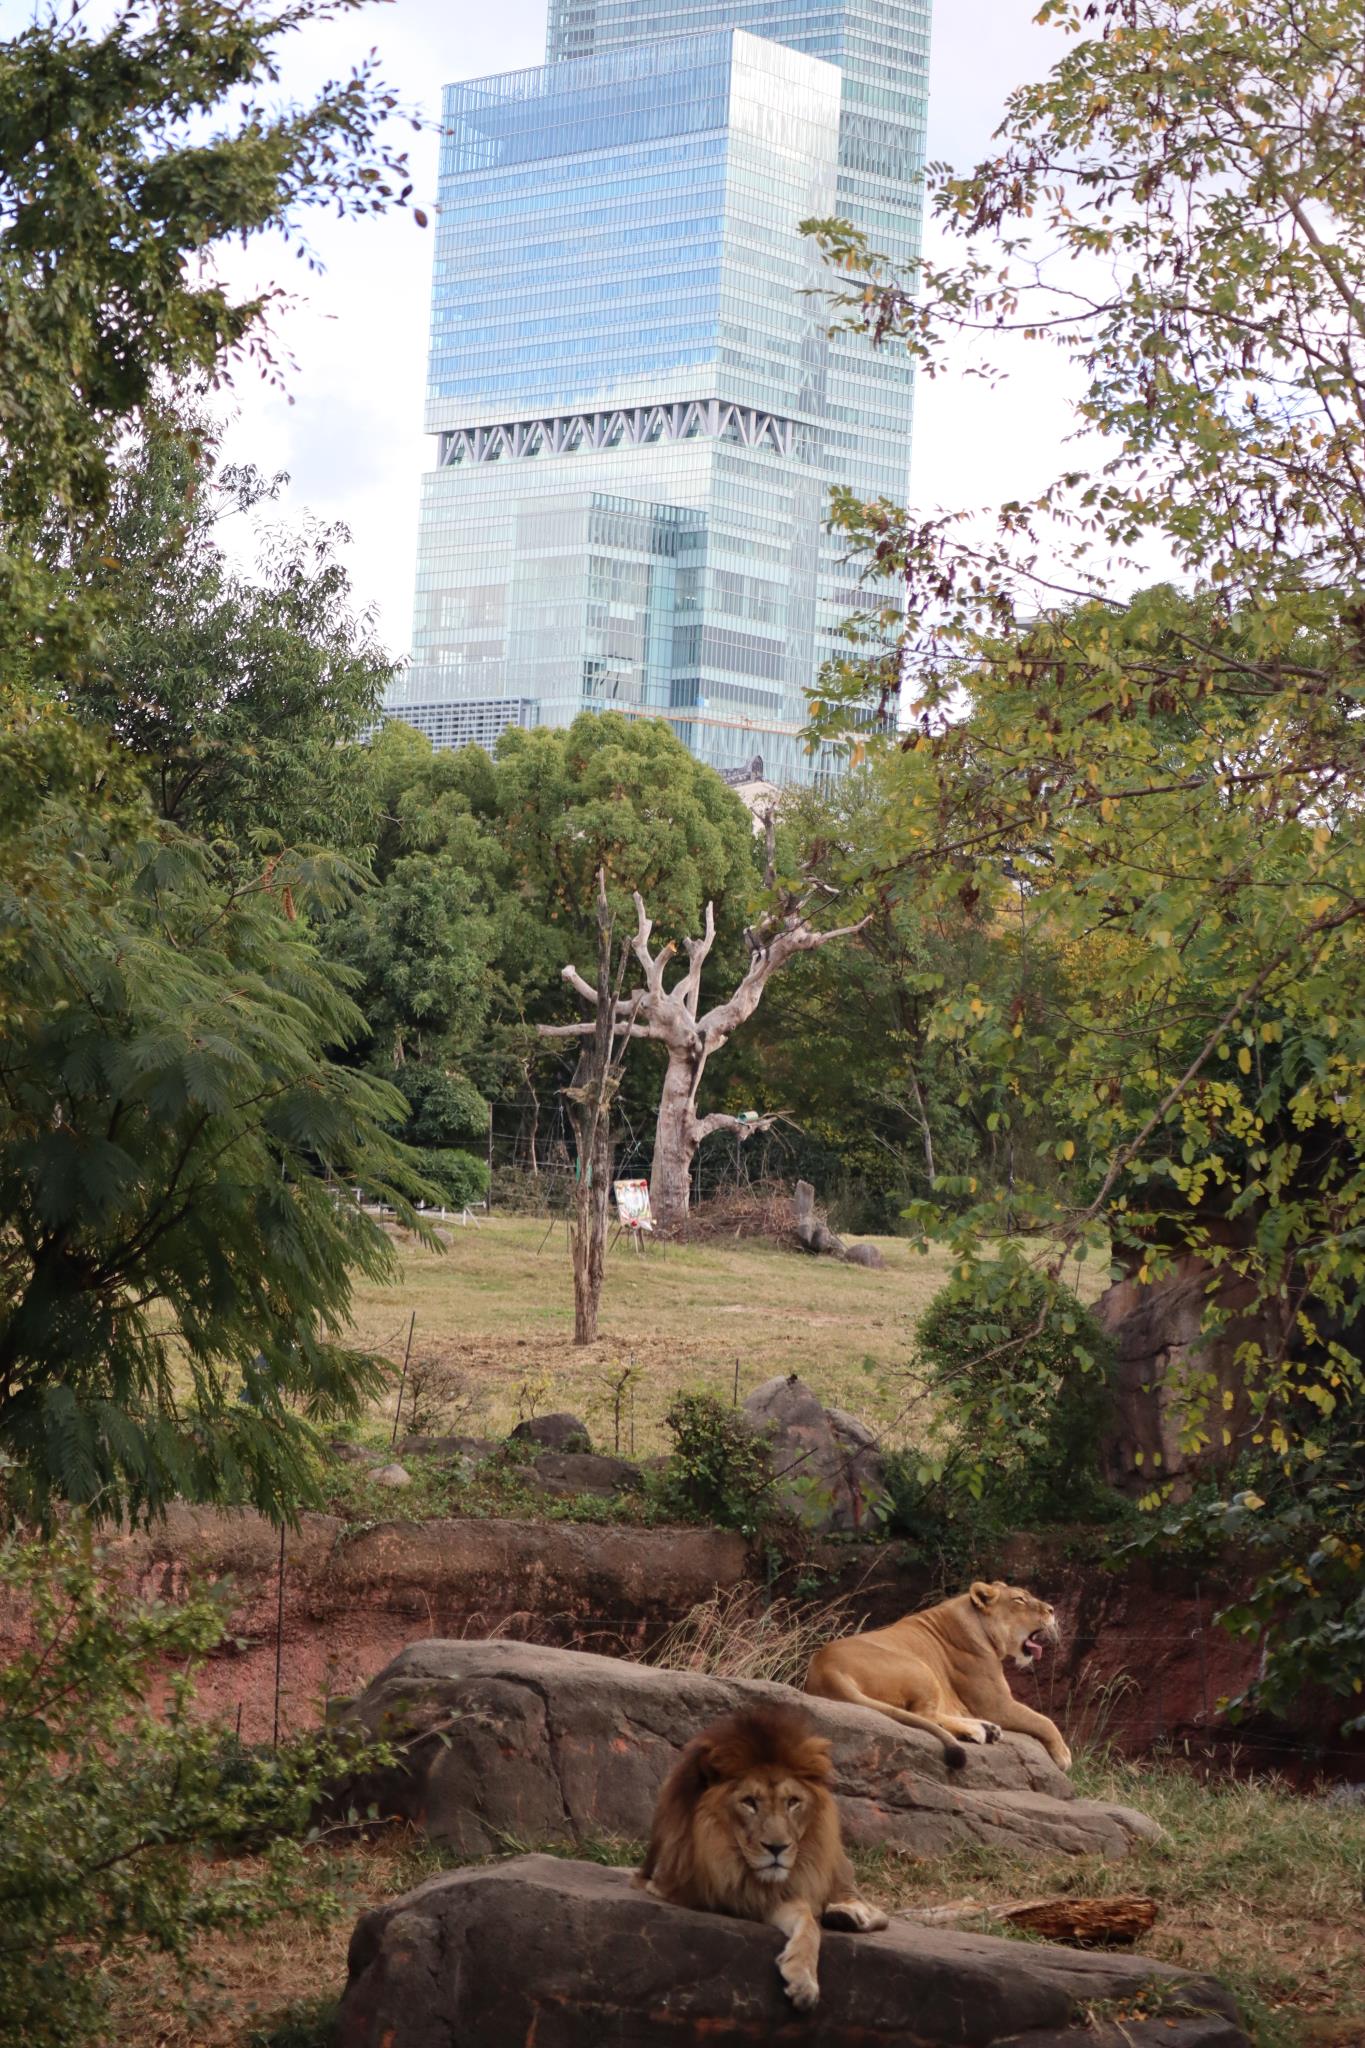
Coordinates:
[746,1824]
[944,1669]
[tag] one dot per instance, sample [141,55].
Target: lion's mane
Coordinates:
[694,1859]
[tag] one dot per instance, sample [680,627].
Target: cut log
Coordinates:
[1085,1923]
[1077,1923]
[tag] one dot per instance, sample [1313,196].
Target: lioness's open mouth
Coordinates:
[1035,1645]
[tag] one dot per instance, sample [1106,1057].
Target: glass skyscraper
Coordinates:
[637,409]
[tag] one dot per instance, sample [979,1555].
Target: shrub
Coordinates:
[1024,1381]
[110,1805]
[719,1471]
[461,1178]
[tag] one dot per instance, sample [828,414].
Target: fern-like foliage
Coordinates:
[174,1261]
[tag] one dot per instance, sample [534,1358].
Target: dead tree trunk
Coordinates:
[590,1096]
[670,1017]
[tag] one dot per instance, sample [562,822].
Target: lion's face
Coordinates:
[1018,1623]
[769,1811]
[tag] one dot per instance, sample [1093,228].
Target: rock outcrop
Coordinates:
[814,1236]
[827,1464]
[1162,1353]
[567,1955]
[506,1740]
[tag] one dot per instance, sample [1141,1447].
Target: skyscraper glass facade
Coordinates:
[636,406]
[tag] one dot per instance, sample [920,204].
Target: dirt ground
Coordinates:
[1258,1884]
[497,1309]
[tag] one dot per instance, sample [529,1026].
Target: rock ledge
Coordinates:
[509,1739]
[571,1955]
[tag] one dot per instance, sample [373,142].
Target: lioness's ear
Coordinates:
[984,1595]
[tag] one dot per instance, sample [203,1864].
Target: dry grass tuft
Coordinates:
[732,1636]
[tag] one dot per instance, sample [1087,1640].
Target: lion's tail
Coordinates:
[837,1685]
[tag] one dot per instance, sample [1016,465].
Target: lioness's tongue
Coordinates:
[1034,1648]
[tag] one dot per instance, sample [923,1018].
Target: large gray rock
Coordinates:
[570,1955]
[827,1466]
[558,1432]
[512,1741]
[563,1473]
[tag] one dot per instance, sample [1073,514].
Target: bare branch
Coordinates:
[689,988]
[578,984]
[744,1128]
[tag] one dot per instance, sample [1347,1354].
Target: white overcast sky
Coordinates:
[351,439]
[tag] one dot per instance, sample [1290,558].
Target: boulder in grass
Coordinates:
[568,1955]
[391,1475]
[558,1432]
[564,1473]
[827,1465]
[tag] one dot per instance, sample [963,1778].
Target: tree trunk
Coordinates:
[589,1231]
[590,1096]
[675,1145]
[670,1017]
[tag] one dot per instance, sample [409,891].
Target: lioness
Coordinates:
[746,1824]
[944,1669]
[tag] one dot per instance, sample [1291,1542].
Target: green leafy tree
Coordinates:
[173,1257]
[486,870]
[173,1266]
[891,1105]
[128,155]
[238,693]
[1172,782]
[118,1814]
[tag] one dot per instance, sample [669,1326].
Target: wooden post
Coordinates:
[279,1645]
[402,1381]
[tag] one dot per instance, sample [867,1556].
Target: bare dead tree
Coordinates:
[670,1017]
[590,1096]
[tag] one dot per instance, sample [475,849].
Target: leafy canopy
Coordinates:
[173,1256]
[173,1265]
[1171,786]
[238,693]
[128,155]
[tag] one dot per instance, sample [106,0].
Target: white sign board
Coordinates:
[632,1204]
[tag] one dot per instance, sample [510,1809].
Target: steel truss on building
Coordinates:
[621,427]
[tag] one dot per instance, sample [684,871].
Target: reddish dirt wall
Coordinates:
[1140,1661]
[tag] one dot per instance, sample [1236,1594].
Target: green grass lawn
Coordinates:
[496,1309]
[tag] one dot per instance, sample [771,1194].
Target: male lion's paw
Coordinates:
[855,1914]
[799,1984]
